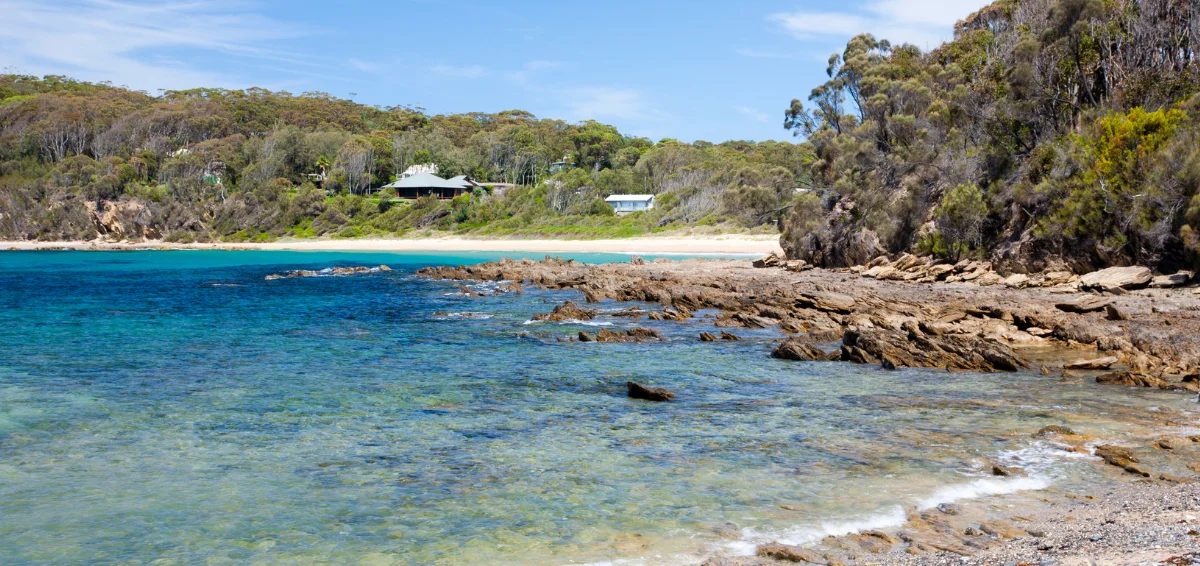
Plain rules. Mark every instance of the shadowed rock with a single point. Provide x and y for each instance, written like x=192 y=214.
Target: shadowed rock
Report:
x=567 y=311
x=1082 y=305
x=658 y=394
x=798 y=350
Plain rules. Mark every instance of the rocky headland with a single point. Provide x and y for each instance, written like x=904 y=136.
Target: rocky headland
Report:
x=1120 y=327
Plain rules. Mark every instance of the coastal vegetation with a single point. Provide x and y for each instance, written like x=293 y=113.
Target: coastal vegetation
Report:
x=81 y=160
x=1047 y=134
x=1046 y=131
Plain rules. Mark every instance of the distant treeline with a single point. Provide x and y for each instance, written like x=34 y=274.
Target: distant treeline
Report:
x=1046 y=130
x=79 y=160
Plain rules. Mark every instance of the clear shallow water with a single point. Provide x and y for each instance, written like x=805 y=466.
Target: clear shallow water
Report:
x=175 y=406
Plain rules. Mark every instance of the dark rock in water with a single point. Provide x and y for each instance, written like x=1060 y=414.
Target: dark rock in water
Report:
x=798 y=350
x=729 y=337
x=1121 y=457
x=912 y=348
x=328 y=272
x=1135 y=379
x=707 y=337
x=949 y=508
x=1090 y=303
x=567 y=311
x=789 y=553
x=641 y=333
x=1006 y=471
x=753 y=320
x=585 y=337
x=1054 y=429
x=659 y=394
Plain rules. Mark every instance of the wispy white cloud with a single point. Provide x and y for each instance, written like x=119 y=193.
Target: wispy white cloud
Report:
x=528 y=70
x=364 y=66
x=924 y=23
x=758 y=54
x=754 y=114
x=120 y=41
x=468 y=72
x=599 y=103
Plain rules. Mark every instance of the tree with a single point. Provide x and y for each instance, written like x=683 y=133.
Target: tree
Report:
x=354 y=160
x=960 y=217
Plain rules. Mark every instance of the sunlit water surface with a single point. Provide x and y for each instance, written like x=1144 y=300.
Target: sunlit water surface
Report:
x=177 y=407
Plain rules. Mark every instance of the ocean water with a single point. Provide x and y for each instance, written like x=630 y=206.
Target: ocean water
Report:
x=178 y=408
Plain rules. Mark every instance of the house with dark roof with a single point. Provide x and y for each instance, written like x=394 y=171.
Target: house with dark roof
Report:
x=425 y=184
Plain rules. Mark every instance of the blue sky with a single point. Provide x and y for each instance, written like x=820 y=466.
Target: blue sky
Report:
x=692 y=70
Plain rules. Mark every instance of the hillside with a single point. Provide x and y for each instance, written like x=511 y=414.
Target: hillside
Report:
x=80 y=161
x=1048 y=132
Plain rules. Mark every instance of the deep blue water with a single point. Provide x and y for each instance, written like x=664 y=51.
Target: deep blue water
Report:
x=178 y=406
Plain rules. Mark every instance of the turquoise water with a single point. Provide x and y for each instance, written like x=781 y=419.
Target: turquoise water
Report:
x=177 y=408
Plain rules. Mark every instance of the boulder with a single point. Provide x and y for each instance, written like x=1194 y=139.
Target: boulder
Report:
x=1133 y=277
x=769 y=261
x=657 y=394
x=643 y=334
x=1115 y=313
x=1085 y=304
x=729 y=337
x=798 y=350
x=707 y=337
x=1121 y=457
x=1168 y=281
x=789 y=553
x=1017 y=281
x=911 y=347
x=826 y=302
x=567 y=311
x=1097 y=363
x=1054 y=429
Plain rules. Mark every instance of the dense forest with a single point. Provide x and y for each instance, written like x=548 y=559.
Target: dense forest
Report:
x=80 y=161
x=1046 y=131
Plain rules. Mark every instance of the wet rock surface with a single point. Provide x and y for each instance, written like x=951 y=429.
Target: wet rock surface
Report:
x=945 y=317
x=657 y=394
x=916 y=315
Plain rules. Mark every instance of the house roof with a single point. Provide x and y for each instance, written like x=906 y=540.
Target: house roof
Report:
x=629 y=198
x=429 y=181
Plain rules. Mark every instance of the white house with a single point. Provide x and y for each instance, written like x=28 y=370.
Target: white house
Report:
x=430 y=168
x=624 y=204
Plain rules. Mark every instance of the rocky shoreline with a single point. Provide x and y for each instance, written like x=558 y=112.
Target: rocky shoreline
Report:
x=1120 y=327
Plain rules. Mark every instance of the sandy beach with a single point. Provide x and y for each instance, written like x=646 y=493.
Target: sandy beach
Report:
x=731 y=244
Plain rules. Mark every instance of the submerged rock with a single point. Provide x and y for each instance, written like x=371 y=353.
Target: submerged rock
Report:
x=1098 y=363
x=328 y=272
x=1121 y=457
x=658 y=394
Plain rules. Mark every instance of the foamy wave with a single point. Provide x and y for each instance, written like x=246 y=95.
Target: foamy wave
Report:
x=570 y=321
x=981 y=488
x=803 y=534
x=471 y=315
